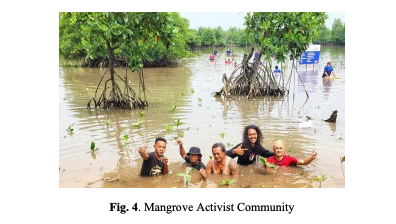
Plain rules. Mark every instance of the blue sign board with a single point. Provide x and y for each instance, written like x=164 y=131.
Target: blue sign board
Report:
x=311 y=56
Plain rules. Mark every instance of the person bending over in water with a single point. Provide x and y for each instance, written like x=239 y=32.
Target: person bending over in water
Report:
x=280 y=159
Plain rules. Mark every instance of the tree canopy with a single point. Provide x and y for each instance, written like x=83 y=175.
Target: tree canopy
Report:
x=282 y=34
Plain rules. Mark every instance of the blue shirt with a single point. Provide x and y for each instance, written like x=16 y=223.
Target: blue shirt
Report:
x=277 y=70
x=215 y=52
x=328 y=70
x=256 y=55
x=228 y=52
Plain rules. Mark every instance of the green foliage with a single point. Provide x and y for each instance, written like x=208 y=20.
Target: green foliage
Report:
x=93 y=146
x=227 y=182
x=283 y=34
x=141 y=114
x=168 y=127
x=210 y=157
x=173 y=107
x=338 y=32
x=70 y=129
x=138 y=123
x=108 y=123
x=320 y=179
x=102 y=33
x=178 y=122
x=126 y=137
x=208 y=37
x=186 y=174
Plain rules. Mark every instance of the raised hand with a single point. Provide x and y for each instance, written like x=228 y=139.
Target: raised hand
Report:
x=239 y=150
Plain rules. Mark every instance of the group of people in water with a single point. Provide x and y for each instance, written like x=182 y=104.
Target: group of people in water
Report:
x=247 y=152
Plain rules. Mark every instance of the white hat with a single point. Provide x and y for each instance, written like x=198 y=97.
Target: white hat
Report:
x=329 y=61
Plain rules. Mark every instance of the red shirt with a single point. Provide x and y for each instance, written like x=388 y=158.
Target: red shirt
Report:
x=286 y=161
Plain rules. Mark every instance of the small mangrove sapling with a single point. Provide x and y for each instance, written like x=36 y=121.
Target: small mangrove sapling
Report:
x=320 y=179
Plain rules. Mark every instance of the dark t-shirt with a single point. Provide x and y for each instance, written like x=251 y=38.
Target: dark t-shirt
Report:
x=197 y=166
x=250 y=155
x=152 y=166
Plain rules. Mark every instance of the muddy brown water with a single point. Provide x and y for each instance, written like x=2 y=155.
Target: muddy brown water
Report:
x=205 y=118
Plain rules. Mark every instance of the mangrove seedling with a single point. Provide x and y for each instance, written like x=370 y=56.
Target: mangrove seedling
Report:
x=126 y=140
x=168 y=127
x=199 y=99
x=192 y=90
x=270 y=165
x=181 y=94
x=108 y=123
x=210 y=157
x=138 y=123
x=93 y=146
x=315 y=131
x=229 y=144
x=222 y=135
x=227 y=182
x=142 y=114
x=173 y=107
x=186 y=175
x=70 y=129
x=320 y=179
x=178 y=122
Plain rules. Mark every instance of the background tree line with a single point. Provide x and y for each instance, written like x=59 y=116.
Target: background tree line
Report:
x=155 y=53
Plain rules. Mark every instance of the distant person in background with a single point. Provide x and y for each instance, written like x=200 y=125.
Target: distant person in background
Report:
x=277 y=69
x=328 y=70
x=256 y=55
x=215 y=52
x=154 y=163
x=228 y=52
x=235 y=65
